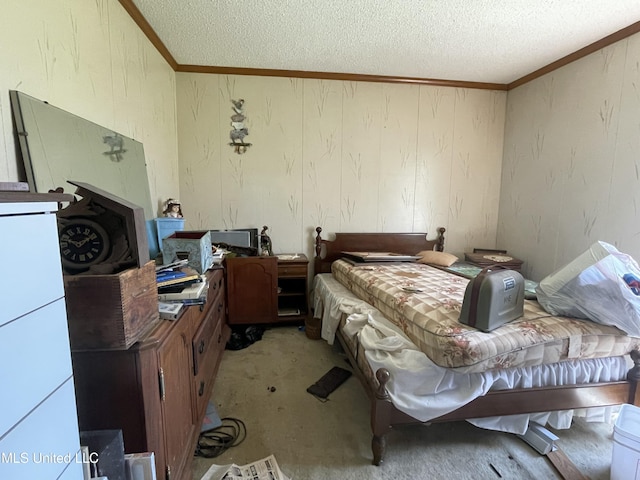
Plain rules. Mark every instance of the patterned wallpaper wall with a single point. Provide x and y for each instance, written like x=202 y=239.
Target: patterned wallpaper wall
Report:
x=88 y=57
x=571 y=173
x=346 y=156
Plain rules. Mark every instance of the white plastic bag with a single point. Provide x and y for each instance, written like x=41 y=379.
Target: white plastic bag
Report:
x=599 y=285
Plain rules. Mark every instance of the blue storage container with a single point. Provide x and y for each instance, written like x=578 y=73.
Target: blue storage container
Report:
x=167 y=226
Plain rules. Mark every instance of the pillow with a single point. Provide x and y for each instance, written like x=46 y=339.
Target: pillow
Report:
x=442 y=259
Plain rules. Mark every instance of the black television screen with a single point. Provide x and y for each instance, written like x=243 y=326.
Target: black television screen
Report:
x=239 y=237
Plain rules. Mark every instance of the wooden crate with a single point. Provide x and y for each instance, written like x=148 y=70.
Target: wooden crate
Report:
x=111 y=311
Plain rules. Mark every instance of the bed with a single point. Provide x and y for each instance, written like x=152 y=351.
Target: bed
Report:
x=506 y=382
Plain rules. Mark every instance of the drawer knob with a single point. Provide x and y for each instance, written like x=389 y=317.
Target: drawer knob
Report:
x=201 y=389
x=201 y=347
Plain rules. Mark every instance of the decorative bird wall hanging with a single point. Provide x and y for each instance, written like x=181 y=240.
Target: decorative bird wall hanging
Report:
x=239 y=131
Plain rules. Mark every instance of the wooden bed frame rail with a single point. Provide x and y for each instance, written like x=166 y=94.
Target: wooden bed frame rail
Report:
x=385 y=416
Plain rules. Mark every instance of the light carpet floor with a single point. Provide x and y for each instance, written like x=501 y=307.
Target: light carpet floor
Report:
x=314 y=440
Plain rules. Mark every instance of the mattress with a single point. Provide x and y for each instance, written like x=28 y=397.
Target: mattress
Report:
x=426 y=391
x=424 y=303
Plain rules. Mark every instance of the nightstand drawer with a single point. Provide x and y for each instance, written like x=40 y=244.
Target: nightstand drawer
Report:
x=292 y=270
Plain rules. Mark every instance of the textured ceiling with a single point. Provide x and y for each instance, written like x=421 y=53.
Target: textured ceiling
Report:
x=494 y=41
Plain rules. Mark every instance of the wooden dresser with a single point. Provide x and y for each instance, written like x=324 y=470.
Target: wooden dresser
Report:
x=157 y=391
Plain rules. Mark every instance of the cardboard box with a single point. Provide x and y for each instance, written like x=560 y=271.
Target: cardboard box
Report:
x=111 y=311
x=194 y=246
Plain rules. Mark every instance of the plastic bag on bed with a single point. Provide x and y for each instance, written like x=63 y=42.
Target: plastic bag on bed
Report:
x=602 y=285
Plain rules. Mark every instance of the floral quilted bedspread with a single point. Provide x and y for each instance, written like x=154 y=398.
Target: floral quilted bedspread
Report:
x=425 y=302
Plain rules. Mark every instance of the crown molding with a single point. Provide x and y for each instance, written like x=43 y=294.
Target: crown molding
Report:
x=142 y=23
x=583 y=52
x=353 y=77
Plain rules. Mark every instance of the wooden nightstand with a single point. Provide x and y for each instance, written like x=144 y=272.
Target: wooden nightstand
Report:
x=252 y=289
x=293 y=292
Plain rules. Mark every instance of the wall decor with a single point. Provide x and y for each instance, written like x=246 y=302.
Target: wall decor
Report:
x=239 y=130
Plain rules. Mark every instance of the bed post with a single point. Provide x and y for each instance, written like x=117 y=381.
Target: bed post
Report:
x=380 y=416
x=440 y=240
x=633 y=376
x=317 y=260
x=318 y=241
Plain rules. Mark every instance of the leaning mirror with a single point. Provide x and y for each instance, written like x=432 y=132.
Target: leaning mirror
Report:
x=58 y=146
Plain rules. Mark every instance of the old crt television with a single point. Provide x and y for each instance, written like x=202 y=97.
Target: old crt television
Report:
x=239 y=237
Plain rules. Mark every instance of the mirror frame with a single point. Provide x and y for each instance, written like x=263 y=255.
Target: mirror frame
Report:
x=128 y=180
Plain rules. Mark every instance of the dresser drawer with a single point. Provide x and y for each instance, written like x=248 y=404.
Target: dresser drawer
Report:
x=36 y=251
x=216 y=283
x=203 y=380
x=31 y=449
x=205 y=337
x=292 y=270
x=34 y=361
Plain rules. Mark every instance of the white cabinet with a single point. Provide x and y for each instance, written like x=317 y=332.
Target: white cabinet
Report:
x=38 y=421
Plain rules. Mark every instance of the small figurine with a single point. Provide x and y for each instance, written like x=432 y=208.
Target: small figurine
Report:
x=237 y=105
x=266 y=249
x=172 y=208
x=237 y=136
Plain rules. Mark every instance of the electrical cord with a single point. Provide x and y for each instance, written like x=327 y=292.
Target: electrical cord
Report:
x=214 y=442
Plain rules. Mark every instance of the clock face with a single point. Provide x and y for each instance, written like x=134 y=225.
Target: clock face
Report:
x=83 y=243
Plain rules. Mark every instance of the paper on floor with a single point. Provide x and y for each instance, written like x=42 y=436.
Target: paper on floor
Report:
x=265 y=469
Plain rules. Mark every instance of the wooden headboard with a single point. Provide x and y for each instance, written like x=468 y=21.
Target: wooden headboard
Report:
x=327 y=251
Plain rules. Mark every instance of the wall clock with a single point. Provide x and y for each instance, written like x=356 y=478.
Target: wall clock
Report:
x=83 y=243
x=118 y=223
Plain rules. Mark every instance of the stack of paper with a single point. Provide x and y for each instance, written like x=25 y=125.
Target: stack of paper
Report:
x=265 y=469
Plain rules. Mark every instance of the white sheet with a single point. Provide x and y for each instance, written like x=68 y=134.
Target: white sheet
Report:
x=425 y=391
x=330 y=300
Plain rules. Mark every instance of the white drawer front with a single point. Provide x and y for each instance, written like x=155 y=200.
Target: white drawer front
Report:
x=34 y=360
x=30 y=256
x=44 y=443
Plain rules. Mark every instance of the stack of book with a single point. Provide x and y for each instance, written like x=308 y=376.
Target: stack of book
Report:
x=178 y=287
